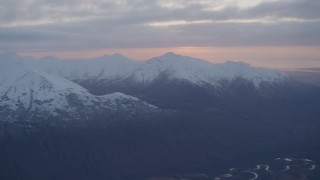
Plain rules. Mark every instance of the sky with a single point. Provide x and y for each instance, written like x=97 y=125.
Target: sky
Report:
x=269 y=33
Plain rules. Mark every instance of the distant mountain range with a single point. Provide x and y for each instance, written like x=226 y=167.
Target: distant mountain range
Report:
x=115 y=118
x=194 y=70
x=58 y=87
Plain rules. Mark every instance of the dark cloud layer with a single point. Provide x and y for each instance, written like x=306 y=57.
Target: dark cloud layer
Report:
x=84 y=24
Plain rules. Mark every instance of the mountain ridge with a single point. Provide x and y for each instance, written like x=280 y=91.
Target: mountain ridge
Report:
x=154 y=81
x=187 y=68
x=27 y=89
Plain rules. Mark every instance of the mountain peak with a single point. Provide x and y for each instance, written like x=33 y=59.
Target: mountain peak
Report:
x=170 y=54
x=117 y=55
x=168 y=57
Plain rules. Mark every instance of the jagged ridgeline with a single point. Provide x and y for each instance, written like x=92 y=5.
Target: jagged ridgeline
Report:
x=115 y=118
x=75 y=88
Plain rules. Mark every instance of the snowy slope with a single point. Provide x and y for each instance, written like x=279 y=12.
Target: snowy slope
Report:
x=24 y=87
x=175 y=66
x=199 y=71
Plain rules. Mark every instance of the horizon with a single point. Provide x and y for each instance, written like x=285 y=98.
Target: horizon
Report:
x=136 y=56
x=307 y=75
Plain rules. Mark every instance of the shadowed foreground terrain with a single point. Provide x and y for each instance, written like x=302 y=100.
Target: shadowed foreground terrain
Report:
x=208 y=140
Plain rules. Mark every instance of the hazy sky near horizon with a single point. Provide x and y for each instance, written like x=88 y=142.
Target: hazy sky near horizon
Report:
x=272 y=33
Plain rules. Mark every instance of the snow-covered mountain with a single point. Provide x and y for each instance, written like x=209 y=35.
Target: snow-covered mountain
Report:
x=198 y=71
x=53 y=86
x=193 y=70
x=26 y=90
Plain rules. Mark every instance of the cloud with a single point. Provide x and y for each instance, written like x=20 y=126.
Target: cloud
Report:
x=89 y=24
x=302 y=9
